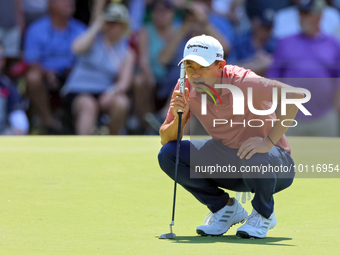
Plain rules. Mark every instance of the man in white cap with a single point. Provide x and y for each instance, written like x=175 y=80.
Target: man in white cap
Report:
x=239 y=142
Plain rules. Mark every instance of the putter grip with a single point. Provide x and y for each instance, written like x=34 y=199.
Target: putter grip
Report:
x=182 y=80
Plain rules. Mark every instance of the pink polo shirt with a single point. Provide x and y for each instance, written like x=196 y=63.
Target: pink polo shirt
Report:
x=238 y=128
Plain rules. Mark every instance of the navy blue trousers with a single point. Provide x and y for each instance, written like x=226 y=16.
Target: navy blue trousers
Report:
x=208 y=189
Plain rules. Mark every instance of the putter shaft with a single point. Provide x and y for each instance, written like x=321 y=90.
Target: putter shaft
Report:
x=176 y=169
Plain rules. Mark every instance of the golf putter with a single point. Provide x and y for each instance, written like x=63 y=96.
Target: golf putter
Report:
x=181 y=87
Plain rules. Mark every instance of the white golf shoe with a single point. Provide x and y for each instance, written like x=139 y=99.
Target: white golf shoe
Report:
x=218 y=223
x=256 y=226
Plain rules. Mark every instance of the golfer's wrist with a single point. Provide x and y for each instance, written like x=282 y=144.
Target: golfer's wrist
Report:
x=269 y=141
x=184 y=115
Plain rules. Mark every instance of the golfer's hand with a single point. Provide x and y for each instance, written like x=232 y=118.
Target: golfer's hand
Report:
x=179 y=102
x=254 y=145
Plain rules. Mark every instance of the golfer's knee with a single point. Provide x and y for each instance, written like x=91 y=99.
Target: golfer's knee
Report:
x=283 y=183
x=166 y=156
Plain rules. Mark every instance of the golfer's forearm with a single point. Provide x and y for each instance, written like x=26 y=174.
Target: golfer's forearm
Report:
x=125 y=76
x=168 y=132
x=279 y=130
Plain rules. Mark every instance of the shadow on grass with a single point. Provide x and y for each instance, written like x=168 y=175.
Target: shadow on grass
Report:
x=231 y=239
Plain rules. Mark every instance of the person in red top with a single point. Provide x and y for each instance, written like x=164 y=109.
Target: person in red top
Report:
x=247 y=152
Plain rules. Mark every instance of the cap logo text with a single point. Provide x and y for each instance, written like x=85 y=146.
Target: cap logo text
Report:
x=196 y=45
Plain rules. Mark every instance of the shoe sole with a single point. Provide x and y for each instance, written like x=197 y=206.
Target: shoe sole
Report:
x=202 y=233
x=245 y=235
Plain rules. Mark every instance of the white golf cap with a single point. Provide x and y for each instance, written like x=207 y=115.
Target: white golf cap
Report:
x=203 y=49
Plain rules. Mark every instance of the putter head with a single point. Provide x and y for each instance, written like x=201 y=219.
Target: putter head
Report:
x=167 y=236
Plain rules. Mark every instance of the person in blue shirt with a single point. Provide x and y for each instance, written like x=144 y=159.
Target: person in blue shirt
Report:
x=48 y=53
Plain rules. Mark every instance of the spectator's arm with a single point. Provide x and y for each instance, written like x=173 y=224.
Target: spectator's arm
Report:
x=137 y=9
x=233 y=15
x=126 y=71
x=201 y=14
x=143 y=49
x=19 y=14
x=169 y=50
x=210 y=30
x=98 y=8
x=274 y=70
x=85 y=41
x=258 y=64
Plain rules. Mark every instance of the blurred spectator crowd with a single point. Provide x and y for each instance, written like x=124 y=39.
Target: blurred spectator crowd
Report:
x=109 y=67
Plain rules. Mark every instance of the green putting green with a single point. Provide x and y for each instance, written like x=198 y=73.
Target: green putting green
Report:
x=107 y=195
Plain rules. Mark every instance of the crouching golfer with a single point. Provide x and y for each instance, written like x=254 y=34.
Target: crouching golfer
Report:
x=243 y=141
